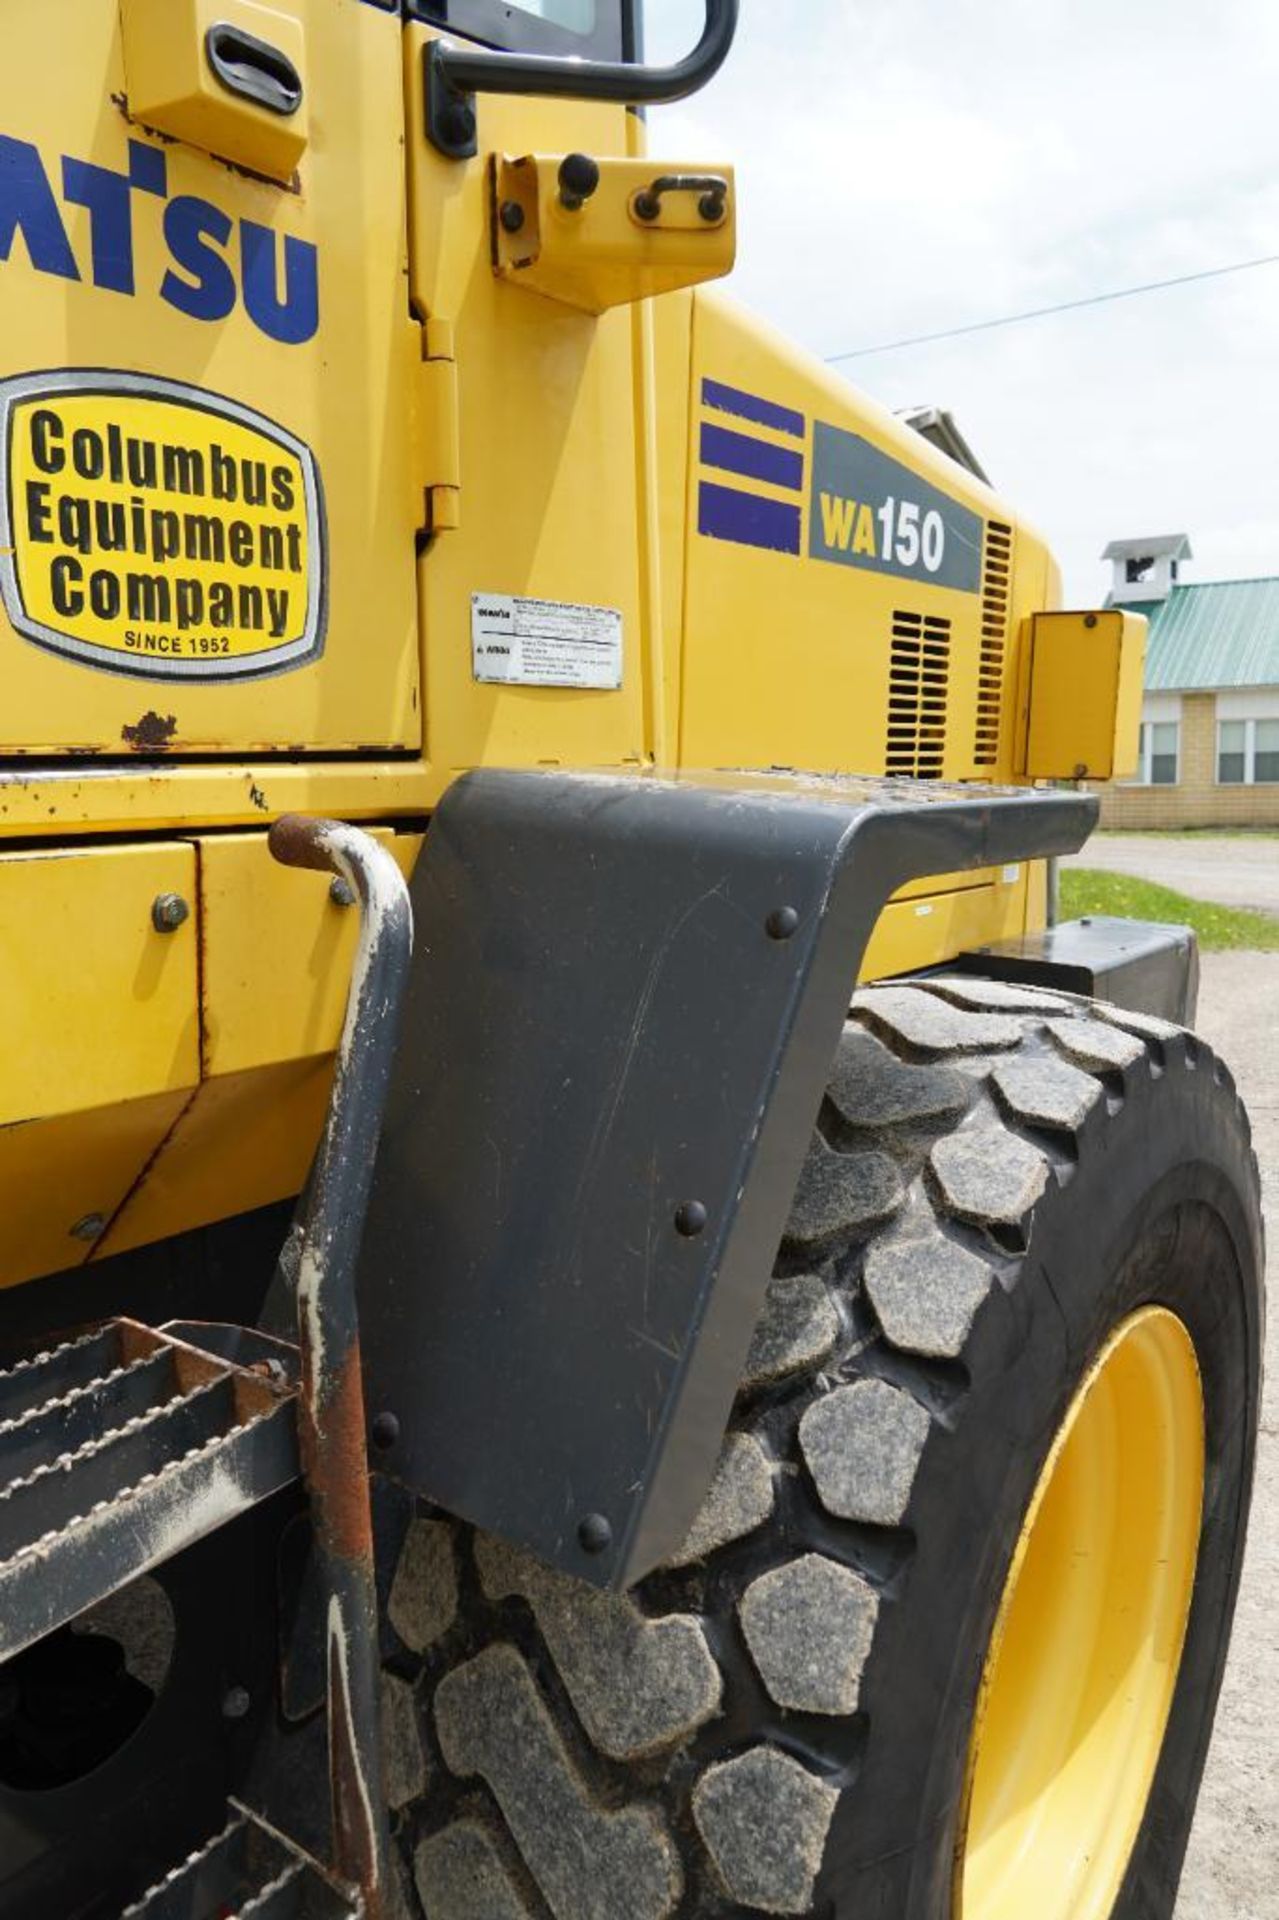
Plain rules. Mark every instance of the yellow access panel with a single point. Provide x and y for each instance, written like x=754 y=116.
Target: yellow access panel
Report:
x=209 y=488
x=102 y=1049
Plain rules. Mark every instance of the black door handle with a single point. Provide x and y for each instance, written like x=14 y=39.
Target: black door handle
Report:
x=248 y=66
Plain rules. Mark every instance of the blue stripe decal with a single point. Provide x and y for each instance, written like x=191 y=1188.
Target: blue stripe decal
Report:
x=755 y=459
x=725 y=514
x=750 y=406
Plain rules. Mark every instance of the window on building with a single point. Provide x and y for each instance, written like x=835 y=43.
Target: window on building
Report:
x=1248 y=752
x=1159 y=750
x=1265 y=757
x=1232 y=752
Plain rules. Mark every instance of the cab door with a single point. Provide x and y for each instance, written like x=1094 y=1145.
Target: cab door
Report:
x=209 y=379
x=548 y=509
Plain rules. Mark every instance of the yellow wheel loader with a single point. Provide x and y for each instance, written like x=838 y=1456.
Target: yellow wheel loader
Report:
x=604 y=1317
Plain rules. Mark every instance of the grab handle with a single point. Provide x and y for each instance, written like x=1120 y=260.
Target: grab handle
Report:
x=253 y=68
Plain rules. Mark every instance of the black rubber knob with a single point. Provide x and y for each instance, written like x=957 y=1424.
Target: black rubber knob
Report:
x=579 y=176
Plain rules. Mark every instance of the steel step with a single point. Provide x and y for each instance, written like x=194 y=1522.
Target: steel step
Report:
x=246 y=1872
x=116 y=1451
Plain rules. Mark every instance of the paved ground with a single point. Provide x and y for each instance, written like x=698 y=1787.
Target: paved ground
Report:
x=1233 y=872
x=1232 y=1872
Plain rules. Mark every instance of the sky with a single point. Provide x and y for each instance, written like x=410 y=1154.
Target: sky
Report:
x=906 y=166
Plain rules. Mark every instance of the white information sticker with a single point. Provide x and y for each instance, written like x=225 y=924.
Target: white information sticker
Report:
x=544 y=643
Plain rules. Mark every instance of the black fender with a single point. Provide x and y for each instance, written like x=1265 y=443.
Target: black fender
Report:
x=625 y=997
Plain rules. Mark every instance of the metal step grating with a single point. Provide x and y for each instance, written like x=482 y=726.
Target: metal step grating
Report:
x=116 y=1451
x=247 y=1872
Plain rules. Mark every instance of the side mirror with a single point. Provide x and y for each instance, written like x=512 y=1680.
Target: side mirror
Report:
x=455 y=74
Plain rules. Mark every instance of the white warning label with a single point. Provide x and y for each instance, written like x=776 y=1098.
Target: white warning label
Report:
x=544 y=643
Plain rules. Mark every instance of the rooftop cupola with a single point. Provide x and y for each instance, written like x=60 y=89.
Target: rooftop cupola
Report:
x=1145 y=569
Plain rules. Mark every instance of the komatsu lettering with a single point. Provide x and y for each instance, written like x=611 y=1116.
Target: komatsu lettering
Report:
x=214 y=262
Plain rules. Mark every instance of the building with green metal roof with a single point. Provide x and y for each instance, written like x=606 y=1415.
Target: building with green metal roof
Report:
x=1210 y=716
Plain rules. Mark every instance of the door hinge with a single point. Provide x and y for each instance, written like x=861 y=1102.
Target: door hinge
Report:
x=441 y=460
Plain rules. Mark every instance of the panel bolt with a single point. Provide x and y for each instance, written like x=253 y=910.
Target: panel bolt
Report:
x=168 y=911
x=235 y=1703
x=341 y=892
x=690 y=1218
x=511 y=214
x=594 y=1534
x=89 y=1227
x=781 y=923
x=1090 y=619
x=384 y=1430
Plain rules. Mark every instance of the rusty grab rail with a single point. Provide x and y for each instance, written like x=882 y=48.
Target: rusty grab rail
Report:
x=331 y=1411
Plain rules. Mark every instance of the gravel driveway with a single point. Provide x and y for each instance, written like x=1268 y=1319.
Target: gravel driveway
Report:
x=1232 y=872
x=1232 y=1870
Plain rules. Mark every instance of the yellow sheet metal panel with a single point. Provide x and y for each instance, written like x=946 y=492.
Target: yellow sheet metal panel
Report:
x=549 y=500
x=1084 y=695
x=277 y=954
x=212 y=481
x=71 y=1172
x=245 y=1140
x=923 y=932
x=171 y=83
x=52 y=802
x=851 y=593
x=99 y=1006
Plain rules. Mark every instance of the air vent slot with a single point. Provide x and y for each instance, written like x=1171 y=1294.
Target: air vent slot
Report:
x=996 y=582
x=918 y=680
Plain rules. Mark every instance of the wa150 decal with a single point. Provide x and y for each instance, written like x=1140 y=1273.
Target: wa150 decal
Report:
x=868 y=510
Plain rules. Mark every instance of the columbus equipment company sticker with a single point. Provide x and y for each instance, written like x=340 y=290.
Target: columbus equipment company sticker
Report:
x=149 y=527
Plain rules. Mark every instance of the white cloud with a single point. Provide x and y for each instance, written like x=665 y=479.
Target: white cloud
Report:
x=910 y=165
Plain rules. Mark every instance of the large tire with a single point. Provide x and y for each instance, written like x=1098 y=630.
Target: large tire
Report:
x=780 y=1722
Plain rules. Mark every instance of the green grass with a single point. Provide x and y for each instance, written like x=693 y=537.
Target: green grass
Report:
x=1084 y=890
x=1188 y=833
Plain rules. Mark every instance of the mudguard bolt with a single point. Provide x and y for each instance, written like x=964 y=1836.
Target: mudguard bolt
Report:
x=89 y=1227
x=690 y=1218
x=168 y=911
x=781 y=923
x=594 y=1534
x=384 y=1430
x=511 y=215
x=341 y=892
x=235 y=1703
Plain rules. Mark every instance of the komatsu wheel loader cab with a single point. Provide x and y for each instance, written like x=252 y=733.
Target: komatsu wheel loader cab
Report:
x=601 y=1316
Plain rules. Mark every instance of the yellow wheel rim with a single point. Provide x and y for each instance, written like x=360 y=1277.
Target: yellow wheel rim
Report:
x=1083 y=1661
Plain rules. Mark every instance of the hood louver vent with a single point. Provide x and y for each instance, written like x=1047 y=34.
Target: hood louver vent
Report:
x=996 y=583
x=917 y=686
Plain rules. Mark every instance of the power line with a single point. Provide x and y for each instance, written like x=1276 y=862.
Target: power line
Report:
x=1062 y=306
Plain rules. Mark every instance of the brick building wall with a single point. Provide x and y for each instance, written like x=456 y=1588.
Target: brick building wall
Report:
x=1196 y=800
